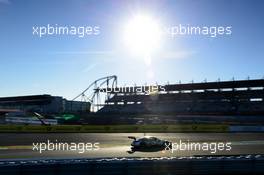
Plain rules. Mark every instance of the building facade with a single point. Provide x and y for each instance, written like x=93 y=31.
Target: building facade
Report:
x=45 y=104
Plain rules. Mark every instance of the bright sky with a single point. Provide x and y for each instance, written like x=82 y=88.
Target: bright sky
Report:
x=66 y=65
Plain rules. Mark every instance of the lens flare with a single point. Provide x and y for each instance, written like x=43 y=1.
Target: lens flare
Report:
x=142 y=34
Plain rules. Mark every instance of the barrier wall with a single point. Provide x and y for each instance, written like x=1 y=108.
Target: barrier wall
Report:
x=129 y=128
x=246 y=128
x=136 y=166
x=115 y=128
x=21 y=120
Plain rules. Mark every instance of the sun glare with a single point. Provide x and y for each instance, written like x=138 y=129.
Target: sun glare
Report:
x=142 y=34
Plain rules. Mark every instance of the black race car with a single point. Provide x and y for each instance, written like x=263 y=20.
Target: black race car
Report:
x=148 y=144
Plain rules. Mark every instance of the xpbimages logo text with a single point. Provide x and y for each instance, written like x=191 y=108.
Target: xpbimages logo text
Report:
x=80 y=147
x=151 y=89
x=170 y=31
x=199 y=30
x=68 y=30
x=212 y=147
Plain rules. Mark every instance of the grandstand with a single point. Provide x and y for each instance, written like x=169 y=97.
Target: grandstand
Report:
x=243 y=97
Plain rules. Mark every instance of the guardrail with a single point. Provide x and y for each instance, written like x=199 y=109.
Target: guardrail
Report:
x=182 y=165
x=246 y=128
x=114 y=128
x=128 y=128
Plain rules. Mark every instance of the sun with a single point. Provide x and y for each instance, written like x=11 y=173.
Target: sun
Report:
x=142 y=34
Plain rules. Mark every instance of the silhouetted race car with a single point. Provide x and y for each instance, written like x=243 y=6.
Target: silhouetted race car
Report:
x=148 y=144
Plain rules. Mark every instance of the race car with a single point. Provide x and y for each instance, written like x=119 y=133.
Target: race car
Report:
x=148 y=144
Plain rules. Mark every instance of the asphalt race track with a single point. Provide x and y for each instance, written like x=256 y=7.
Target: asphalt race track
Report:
x=20 y=146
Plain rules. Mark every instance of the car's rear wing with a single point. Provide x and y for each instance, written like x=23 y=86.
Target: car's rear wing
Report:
x=132 y=137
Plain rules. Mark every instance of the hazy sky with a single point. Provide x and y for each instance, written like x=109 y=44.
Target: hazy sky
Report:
x=65 y=65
